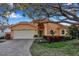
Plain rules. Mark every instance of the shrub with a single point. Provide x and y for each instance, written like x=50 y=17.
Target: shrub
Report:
x=65 y=38
x=35 y=35
x=52 y=38
x=73 y=32
x=8 y=36
x=2 y=37
x=56 y=38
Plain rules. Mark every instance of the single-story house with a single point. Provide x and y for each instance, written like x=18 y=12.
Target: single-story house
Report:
x=27 y=30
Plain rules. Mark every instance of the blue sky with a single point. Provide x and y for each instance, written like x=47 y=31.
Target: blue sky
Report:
x=20 y=19
x=17 y=17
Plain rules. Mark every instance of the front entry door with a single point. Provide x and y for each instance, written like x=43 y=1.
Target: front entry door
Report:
x=40 y=29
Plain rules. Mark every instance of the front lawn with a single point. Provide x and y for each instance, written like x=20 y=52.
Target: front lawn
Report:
x=68 y=48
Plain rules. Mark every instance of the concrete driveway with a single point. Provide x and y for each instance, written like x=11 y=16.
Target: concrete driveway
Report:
x=16 y=47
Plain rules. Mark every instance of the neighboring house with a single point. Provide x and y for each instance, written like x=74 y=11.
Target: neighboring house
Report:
x=2 y=34
x=24 y=30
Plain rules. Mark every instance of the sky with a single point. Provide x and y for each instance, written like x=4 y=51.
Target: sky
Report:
x=15 y=18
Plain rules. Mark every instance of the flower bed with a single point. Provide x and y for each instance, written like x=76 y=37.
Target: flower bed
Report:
x=56 y=38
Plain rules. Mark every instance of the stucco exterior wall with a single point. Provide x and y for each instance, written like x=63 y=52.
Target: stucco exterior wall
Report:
x=23 y=26
x=57 y=28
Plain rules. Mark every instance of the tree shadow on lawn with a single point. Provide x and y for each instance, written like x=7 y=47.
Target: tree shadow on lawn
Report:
x=66 y=48
x=76 y=45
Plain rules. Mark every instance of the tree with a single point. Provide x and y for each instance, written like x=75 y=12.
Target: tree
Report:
x=73 y=32
x=45 y=10
x=5 y=11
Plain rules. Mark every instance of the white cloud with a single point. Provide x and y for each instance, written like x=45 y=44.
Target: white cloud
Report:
x=11 y=5
x=69 y=3
x=67 y=24
x=14 y=15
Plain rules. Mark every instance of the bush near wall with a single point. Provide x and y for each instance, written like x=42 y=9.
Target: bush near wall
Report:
x=8 y=36
x=56 y=38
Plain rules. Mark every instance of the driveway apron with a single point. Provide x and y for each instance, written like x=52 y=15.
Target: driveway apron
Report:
x=20 y=47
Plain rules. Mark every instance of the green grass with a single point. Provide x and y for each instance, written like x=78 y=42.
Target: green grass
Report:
x=68 y=48
x=53 y=45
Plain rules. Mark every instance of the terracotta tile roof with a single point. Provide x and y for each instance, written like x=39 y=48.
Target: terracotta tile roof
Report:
x=36 y=21
x=47 y=21
x=44 y=21
x=41 y=20
x=22 y=23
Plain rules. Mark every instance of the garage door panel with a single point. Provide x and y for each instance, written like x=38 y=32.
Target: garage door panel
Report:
x=25 y=34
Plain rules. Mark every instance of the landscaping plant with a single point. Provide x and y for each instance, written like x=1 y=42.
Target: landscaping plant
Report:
x=73 y=32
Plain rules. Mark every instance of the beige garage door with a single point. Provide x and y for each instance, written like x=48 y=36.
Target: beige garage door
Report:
x=24 y=34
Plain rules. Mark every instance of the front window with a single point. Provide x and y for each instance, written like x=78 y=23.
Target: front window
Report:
x=63 y=32
x=52 y=32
